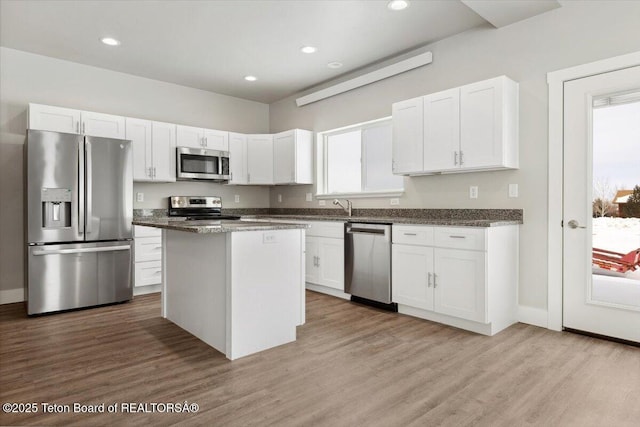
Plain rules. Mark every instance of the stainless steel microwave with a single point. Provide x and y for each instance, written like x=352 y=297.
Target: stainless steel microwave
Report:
x=198 y=163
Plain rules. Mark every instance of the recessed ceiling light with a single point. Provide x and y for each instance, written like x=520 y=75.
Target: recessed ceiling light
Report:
x=334 y=64
x=398 y=4
x=250 y=78
x=308 y=49
x=110 y=41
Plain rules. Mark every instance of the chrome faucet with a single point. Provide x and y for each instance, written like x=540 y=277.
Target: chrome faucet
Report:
x=346 y=209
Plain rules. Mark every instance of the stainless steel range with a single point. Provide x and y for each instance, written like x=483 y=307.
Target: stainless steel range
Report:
x=197 y=207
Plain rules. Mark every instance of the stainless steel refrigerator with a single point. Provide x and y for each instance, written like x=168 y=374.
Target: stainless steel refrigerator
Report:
x=79 y=207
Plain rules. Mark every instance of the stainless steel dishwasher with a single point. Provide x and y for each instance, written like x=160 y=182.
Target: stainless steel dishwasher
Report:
x=367 y=253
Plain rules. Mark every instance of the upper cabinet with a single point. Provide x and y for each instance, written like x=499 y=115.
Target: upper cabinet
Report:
x=238 y=158
x=470 y=128
x=407 y=136
x=293 y=157
x=260 y=159
x=193 y=137
x=154 y=150
x=58 y=119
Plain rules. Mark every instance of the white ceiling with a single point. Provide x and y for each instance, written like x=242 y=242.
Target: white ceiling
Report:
x=212 y=45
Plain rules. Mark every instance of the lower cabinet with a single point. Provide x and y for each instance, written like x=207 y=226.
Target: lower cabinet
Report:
x=325 y=261
x=465 y=277
x=148 y=259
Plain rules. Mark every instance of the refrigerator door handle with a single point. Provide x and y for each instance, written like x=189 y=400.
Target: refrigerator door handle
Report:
x=82 y=250
x=88 y=190
x=81 y=186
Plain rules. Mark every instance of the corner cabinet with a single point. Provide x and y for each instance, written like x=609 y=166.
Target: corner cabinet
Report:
x=469 y=128
x=259 y=159
x=238 y=158
x=462 y=276
x=293 y=157
x=154 y=150
x=67 y=120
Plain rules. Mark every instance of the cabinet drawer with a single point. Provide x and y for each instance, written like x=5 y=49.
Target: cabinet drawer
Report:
x=148 y=273
x=413 y=235
x=326 y=229
x=142 y=231
x=148 y=248
x=461 y=238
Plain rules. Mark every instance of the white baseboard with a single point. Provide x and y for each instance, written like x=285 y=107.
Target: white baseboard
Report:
x=9 y=296
x=327 y=290
x=143 y=290
x=533 y=316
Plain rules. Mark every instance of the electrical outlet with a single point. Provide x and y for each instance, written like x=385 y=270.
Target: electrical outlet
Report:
x=395 y=201
x=473 y=192
x=309 y=197
x=279 y=198
x=237 y=198
x=513 y=190
x=322 y=202
x=139 y=197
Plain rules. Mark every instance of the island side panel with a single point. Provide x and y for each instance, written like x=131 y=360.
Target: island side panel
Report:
x=263 y=290
x=195 y=284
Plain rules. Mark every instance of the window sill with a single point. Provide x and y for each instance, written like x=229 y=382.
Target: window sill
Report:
x=372 y=194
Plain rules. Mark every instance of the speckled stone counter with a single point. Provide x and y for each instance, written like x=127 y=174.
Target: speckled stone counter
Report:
x=214 y=226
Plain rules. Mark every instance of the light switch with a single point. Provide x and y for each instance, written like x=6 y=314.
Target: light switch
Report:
x=473 y=192
x=237 y=198
x=139 y=197
x=309 y=198
x=513 y=190
x=395 y=202
x=279 y=198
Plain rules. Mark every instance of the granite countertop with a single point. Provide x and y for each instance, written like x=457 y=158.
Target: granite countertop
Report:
x=214 y=226
x=452 y=222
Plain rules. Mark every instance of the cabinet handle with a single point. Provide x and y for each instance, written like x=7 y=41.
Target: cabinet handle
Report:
x=458 y=237
x=428 y=280
x=149 y=174
x=154 y=171
x=248 y=178
x=455 y=158
x=410 y=234
x=206 y=141
x=318 y=258
x=461 y=158
x=83 y=128
x=434 y=281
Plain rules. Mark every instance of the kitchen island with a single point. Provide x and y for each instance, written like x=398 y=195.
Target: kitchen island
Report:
x=236 y=285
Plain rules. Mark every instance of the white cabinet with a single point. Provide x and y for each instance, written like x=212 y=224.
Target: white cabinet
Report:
x=293 y=157
x=469 y=128
x=466 y=277
x=58 y=119
x=194 y=137
x=153 y=150
x=324 y=266
x=238 y=158
x=407 y=143
x=260 y=159
x=148 y=258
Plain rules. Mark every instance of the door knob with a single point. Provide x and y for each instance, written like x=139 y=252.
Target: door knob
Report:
x=575 y=224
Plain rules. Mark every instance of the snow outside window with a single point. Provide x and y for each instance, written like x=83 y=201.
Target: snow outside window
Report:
x=357 y=161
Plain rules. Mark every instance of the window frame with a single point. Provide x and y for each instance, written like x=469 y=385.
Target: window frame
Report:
x=322 y=167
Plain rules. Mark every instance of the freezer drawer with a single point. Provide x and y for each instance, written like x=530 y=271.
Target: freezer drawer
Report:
x=67 y=276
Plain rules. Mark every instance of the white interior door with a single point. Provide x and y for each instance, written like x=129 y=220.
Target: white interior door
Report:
x=595 y=299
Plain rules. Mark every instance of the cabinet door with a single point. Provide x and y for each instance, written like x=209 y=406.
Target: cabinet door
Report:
x=260 y=159
x=407 y=136
x=331 y=262
x=481 y=139
x=148 y=273
x=54 y=119
x=412 y=276
x=238 y=158
x=139 y=132
x=164 y=151
x=188 y=136
x=460 y=284
x=311 y=263
x=216 y=140
x=442 y=130
x=103 y=125
x=284 y=151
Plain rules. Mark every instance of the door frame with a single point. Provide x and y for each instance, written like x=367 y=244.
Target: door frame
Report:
x=556 y=80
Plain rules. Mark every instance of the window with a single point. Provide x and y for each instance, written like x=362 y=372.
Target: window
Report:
x=356 y=160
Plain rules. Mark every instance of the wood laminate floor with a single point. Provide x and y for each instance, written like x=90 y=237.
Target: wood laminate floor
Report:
x=351 y=366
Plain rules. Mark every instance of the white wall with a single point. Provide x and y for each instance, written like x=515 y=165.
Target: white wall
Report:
x=579 y=32
x=26 y=77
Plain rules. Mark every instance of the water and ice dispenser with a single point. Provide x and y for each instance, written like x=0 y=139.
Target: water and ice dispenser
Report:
x=56 y=207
